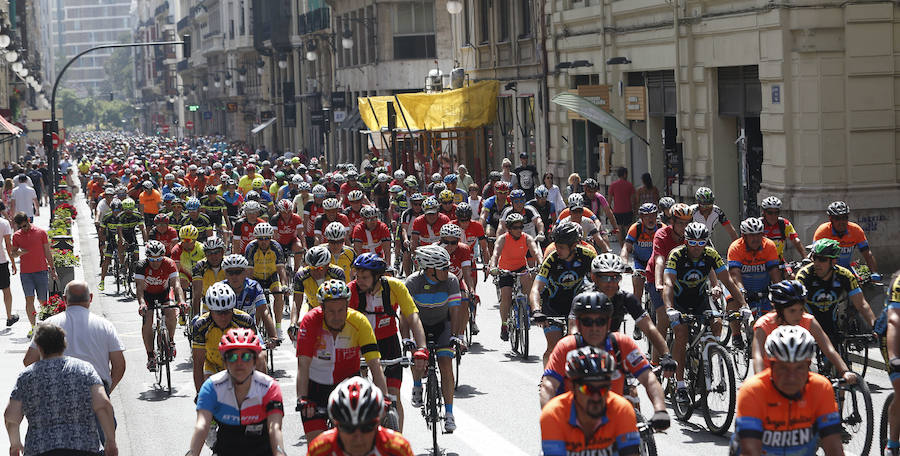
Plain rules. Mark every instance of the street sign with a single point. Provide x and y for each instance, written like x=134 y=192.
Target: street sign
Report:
x=189 y=125
x=339 y=116
x=193 y=108
x=207 y=115
x=165 y=128
x=55 y=140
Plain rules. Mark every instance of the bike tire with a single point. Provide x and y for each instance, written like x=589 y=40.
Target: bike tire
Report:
x=885 y=425
x=860 y=429
x=683 y=411
x=433 y=403
x=648 y=441
x=118 y=273
x=160 y=355
x=167 y=359
x=512 y=330
x=391 y=419
x=741 y=360
x=865 y=361
x=729 y=387
x=457 y=358
x=524 y=327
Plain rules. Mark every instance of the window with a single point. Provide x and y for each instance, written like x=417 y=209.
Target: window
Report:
x=484 y=17
x=525 y=16
x=503 y=20
x=414 y=30
x=467 y=35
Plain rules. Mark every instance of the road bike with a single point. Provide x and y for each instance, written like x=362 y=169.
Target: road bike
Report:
x=391 y=418
x=519 y=320
x=164 y=351
x=433 y=406
x=857 y=418
x=648 y=440
x=470 y=325
x=264 y=333
x=130 y=257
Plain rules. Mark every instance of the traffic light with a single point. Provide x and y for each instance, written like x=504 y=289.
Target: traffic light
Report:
x=186 y=50
x=110 y=96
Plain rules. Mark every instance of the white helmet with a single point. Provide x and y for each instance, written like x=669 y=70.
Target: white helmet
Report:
x=319 y=190
x=355 y=195
x=252 y=206
x=263 y=230
x=235 y=261
x=790 y=344
x=335 y=231
x=576 y=201
x=432 y=256
x=451 y=230
x=436 y=177
x=771 y=202
x=155 y=249
x=317 y=256
x=331 y=203
x=608 y=262
x=368 y=211
x=399 y=175
x=220 y=297
x=752 y=225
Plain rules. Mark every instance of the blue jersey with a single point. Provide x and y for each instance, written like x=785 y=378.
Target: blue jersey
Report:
x=251 y=297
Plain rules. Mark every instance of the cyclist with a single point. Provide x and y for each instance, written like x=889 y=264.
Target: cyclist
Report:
x=596 y=202
x=208 y=328
x=127 y=221
x=383 y=299
x=559 y=275
x=426 y=228
x=242 y=231
x=593 y=313
x=177 y=214
x=246 y=404
x=848 y=235
x=197 y=219
x=512 y=254
x=406 y=218
x=687 y=290
x=753 y=265
x=665 y=239
x=590 y=419
x=831 y=289
x=155 y=278
x=356 y=407
x=665 y=210
x=331 y=214
x=108 y=235
x=589 y=228
x=206 y=272
x=787 y=409
x=493 y=207
x=707 y=213
x=891 y=348
x=187 y=253
x=447 y=204
x=461 y=265
x=352 y=205
x=267 y=262
x=149 y=199
x=472 y=232
x=639 y=242
x=162 y=232
x=332 y=337
x=318 y=269
x=216 y=209
x=250 y=298
x=341 y=255
x=371 y=235
x=788 y=297
x=233 y=200
x=289 y=229
x=436 y=294
x=311 y=211
x=779 y=229
x=534 y=225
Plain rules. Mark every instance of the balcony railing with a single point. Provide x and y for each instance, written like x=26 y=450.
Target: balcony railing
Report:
x=313 y=21
x=182 y=65
x=184 y=23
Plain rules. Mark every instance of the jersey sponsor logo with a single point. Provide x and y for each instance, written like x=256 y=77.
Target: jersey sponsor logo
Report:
x=822 y=300
x=645 y=244
x=635 y=357
x=608 y=451
x=693 y=278
x=794 y=437
x=751 y=268
x=155 y=281
x=569 y=279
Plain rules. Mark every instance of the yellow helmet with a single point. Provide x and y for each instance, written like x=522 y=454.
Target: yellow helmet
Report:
x=189 y=232
x=257 y=183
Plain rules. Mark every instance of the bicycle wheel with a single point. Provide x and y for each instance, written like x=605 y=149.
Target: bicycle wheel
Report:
x=885 y=426
x=524 y=326
x=391 y=419
x=857 y=417
x=684 y=411
x=160 y=354
x=118 y=269
x=648 y=441
x=433 y=406
x=741 y=359
x=719 y=388
x=457 y=358
x=167 y=357
x=512 y=330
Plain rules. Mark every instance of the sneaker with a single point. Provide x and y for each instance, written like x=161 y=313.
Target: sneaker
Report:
x=31 y=332
x=682 y=397
x=151 y=364
x=417 y=397
x=12 y=320
x=101 y=286
x=504 y=333
x=449 y=423
x=475 y=329
x=637 y=334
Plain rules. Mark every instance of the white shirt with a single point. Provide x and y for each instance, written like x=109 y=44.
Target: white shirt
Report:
x=5 y=230
x=89 y=337
x=102 y=209
x=23 y=196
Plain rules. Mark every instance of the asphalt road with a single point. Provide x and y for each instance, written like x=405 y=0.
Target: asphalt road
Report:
x=496 y=406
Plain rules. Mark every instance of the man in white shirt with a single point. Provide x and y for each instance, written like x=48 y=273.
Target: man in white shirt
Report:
x=6 y=246
x=24 y=199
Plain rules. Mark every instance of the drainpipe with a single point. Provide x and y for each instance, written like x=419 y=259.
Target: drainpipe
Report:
x=545 y=96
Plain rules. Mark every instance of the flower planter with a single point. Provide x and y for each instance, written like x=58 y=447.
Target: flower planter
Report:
x=65 y=274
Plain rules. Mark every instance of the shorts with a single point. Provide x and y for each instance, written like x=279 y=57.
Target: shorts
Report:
x=389 y=347
x=111 y=247
x=693 y=307
x=36 y=284
x=154 y=299
x=439 y=334
x=148 y=219
x=271 y=283
x=4 y=276
x=639 y=265
x=624 y=218
x=318 y=394
x=508 y=280
x=289 y=247
x=655 y=296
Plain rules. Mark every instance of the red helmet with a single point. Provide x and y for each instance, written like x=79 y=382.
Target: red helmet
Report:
x=501 y=186
x=238 y=338
x=161 y=218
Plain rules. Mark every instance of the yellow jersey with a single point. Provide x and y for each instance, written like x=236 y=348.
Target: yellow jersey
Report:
x=206 y=335
x=203 y=272
x=264 y=263
x=307 y=286
x=344 y=260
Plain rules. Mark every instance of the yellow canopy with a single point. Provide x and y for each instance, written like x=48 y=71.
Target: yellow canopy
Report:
x=468 y=107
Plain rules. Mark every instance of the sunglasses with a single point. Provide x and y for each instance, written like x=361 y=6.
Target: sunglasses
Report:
x=772 y=212
x=609 y=279
x=840 y=217
x=154 y=260
x=318 y=268
x=222 y=312
x=234 y=272
x=233 y=357
x=589 y=322
x=445 y=268
x=449 y=242
x=516 y=227
x=694 y=243
x=821 y=259
x=364 y=428
x=263 y=239
x=590 y=389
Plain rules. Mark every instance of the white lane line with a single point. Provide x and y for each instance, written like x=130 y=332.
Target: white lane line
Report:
x=485 y=441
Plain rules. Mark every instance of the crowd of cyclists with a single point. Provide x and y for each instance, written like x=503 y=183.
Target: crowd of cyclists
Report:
x=371 y=265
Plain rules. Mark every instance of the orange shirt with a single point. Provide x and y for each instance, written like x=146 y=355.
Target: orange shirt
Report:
x=769 y=322
x=512 y=257
x=616 y=433
x=854 y=237
x=150 y=201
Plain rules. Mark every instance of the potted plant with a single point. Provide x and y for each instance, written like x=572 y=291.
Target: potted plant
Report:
x=65 y=262
x=55 y=304
x=62 y=196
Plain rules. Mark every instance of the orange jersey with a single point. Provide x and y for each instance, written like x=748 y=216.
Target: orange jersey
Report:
x=854 y=237
x=387 y=443
x=769 y=322
x=562 y=436
x=754 y=264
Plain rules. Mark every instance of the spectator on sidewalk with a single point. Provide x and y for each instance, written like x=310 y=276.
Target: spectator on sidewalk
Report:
x=31 y=244
x=623 y=202
x=5 y=263
x=527 y=175
x=25 y=199
x=647 y=193
x=465 y=180
x=62 y=398
x=37 y=181
x=7 y=198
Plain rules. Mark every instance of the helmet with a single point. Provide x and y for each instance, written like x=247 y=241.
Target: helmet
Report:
x=648 y=208
x=541 y=192
x=446 y=196
x=576 y=201
x=178 y=202
x=589 y=363
x=790 y=344
x=771 y=202
x=319 y=190
x=213 y=244
x=317 y=256
x=370 y=261
x=494 y=176
x=285 y=205
x=335 y=231
x=501 y=187
x=450 y=178
x=235 y=261
x=161 y=218
x=591 y=301
x=430 y=206
x=514 y=217
x=263 y=230
x=147 y=184
x=696 y=231
x=517 y=194
x=169 y=177
x=128 y=204
x=827 y=248
x=395 y=189
x=239 y=338
x=432 y=256
x=252 y=206
x=752 y=225
x=566 y=233
x=192 y=204
x=331 y=204
x=112 y=191
x=436 y=177
x=155 y=249
x=355 y=195
x=333 y=289
x=383 y=178
x=682 y=211
x=339 y=178
x=257 y=183
x=666 y=202
x=188 y=232
x=417 y=197
x=838 y=208
x=399 y=175
x=210 y=189
x=411 y=181
x=786 y=292
x=451 y=230
x=704 y=195
x=352 y=174
x=463 y=211
x=304 y=186
x=297 y=179
x=608 y=262
x=368 y=211
x=220 y=297
x=355 y=401
x=252 y=195
x=437 y=188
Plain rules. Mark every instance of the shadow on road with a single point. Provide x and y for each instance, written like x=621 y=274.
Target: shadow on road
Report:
x=443 y=452
x=467 y=391
x=699 y=434
x=477 y=347
x=279 y=373
x=159 y=394
x=510 y=356
x=184 y=366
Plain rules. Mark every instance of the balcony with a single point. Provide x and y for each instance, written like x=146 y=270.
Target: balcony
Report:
x=184 y=23
x=271 y=24
x=161 y=8
x=313 y=21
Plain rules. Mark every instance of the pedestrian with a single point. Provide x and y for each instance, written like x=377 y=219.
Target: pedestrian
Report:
x=31 y=244
x=554 y=195
x=526 y=174
x=623 y=202
x=60 y=396
x=465 y=179
x=506 y=175
x=7 y=198
x=37 y=181
x=25 y=199
x=574 y=184
x=475 y=200
x=647 y=193
x=6 y=246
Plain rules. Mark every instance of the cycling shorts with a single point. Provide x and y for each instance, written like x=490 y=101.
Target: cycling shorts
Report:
x=439 y=334
x=389 y=347
x=289 y=247
x=318 y=394
x=508 y=280
x=271 y=283
x=111 y=247
x=155 y=299
x=693 y=307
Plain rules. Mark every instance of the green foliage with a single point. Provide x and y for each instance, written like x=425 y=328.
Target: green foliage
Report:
x=119 y=72
x=94 y=111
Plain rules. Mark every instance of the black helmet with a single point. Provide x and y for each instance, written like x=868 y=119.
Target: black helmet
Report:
x=495 y=175
x=591 y=301
x=838 y=208
x=566 y=233
x=589 y=363
x=786 y=292
x=463 y=211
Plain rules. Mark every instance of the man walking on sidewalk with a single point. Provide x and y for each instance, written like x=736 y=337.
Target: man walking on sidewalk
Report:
x=31 y=244
x=25 y=199
x=5 y=263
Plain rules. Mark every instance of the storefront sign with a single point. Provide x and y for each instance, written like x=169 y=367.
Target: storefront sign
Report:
x=635 y=103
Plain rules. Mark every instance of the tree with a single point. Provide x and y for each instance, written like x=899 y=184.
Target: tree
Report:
x=119 y=68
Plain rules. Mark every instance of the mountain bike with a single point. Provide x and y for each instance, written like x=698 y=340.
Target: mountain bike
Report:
x=519 y=320
x=163 y=347
x=857 y=418
x=742 y=357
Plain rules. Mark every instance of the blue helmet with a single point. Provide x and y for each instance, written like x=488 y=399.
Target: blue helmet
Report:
x=517 y=194
x=370 y=261
x=450 y=178
x=541 y=192
x=192 y=204
x=169 y=197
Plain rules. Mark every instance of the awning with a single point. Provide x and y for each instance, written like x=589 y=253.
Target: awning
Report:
x=469 y=107
x=585 y=108
x=263 y=125
x=7 y=128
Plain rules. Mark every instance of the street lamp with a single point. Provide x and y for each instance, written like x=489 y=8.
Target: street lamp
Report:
x=311 y=54
x=454 y=7
x=11 y=56
x=217 y=81
x=260 y=66
x=228 y=79
x=282 y=61
x=347 y=39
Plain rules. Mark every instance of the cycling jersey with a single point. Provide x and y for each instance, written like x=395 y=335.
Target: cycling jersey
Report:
x=664 y=240
x=433 y=299
x=561 y=278
x=214 y=206
x=242 y=428
x=156 y=281
x=344 y=259
x=853 y=237
x=459 y=259
x=616 y=434
x=306 y=285
x=208 y=274
x=264 y=263
x=352 y=215
x=786 y=426
x=514 y=255
x=202 y=223
x=779 y=233
x=493 y=215
x=587 y=213
x=828 y=300
x=322 y=222
x=387 y=443
x=428 y=234
x=629 y=358
x=450 y=212
x=769 y=322
x=206 y=335
x=588 y=227
x=754 y=264
x=243 y=231
x=596 y=203
x=371 y=239
x=641 y=239
x=472 y=233
x=335 y=357
x=547 y=212
x=233 y=201
x=286 y=227
x=187 y=259
x=691 y=282
x=383 y=319
x=529 y=213
x=175 y=219
x=128 y=221
x=623 y=303
x=894 y=295
x=716 y=215
x=250 y=298
x=166 y=237
x=311 y=212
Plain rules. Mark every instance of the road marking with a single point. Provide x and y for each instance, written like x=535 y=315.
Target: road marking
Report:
x=488 y=442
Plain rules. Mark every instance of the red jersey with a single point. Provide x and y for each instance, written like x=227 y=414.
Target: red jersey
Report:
x=460 y=258
x=663 y=242
x=429 y=234
x=169 y=238
x=156 y=280
x=562 y=436
x=310 y=212
x=387 y=443
x=371 y=240
x=450 y=213
x=472 y=233
x=243 y=231
x=353 y=216
x=286 y=227
x=629 y=357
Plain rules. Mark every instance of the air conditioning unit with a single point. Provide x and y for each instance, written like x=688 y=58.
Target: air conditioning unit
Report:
x=434 y=81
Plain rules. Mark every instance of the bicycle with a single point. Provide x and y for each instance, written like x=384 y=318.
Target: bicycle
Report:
x=130 y=254
x=473 y=306
x=708 y=360
x=854 y=439
x=264 y=333
x=742 y=357
x=885 y=421
x=432 y=409
x=648 y=440
x=391 y=418
x=519 y=320
x=164 y=355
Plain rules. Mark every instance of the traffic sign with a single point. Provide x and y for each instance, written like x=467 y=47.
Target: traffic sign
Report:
x=189 y=125
x=55 y=140
x=165 y=128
